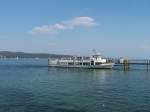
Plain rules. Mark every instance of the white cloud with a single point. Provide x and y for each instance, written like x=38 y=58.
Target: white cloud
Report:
x=69 y=24
x=80 y=22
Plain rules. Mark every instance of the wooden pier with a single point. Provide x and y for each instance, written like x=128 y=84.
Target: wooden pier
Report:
x=126 y=63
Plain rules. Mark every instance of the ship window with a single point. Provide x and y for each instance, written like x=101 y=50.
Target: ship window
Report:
x=77 y=63
x=86 y=63
x=98 y=63
x=63 y=63
x=70 y=63
x=92 y=62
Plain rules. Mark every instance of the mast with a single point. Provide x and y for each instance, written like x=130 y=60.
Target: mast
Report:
x=94 y=51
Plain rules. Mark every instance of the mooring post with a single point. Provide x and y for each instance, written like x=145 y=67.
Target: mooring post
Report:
x=147 y=64
x=126 y=64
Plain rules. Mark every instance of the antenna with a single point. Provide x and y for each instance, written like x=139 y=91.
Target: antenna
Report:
x=94 y=51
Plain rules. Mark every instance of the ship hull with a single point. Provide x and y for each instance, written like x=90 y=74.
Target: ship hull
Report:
x=102 y=66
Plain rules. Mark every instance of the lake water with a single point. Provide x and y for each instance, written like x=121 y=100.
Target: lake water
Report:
x=28 y=85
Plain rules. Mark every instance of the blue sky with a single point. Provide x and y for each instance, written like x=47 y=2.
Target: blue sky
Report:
x=112 y=27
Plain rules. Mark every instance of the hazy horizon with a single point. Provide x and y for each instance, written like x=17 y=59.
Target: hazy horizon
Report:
x=112 y=27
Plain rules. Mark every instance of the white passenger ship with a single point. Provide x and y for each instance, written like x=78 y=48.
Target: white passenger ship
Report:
x=94 y=61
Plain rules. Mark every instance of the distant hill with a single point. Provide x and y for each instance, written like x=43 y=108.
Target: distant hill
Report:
x=9 y=54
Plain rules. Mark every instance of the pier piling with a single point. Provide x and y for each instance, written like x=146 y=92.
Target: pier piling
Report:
x=126 y=64
x=147 y=65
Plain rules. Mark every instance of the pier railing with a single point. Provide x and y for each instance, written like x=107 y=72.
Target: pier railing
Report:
x=133 y=61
